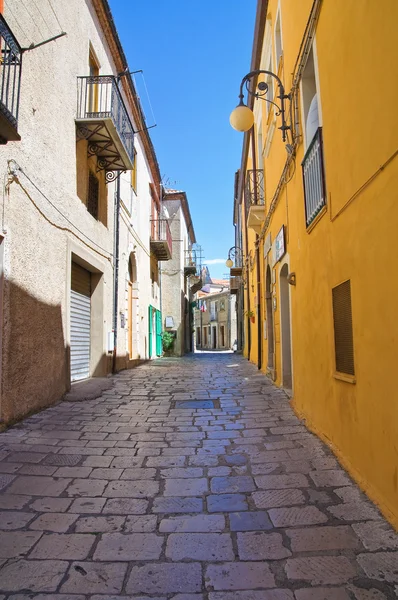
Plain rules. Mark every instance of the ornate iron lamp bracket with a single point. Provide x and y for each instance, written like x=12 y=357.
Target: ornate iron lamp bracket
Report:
x=261 y=92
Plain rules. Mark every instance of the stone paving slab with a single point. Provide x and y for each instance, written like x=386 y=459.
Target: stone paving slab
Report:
x=125 y=497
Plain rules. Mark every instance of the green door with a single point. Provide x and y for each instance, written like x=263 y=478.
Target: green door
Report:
x=150 y=331
x=158 y=333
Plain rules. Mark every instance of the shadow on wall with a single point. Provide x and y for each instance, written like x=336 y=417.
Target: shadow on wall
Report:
x=35 y=359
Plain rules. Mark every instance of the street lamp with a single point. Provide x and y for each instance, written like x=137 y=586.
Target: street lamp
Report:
x=242 y=117
x=233 y=253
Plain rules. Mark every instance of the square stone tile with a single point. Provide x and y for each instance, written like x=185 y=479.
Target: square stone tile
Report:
x=195 y=524
x=250 y=521
x=87 y=505
x=199 y=546
x=140 y=523
x=95 y=577
x=129 y=547
x=63 y=546
x=239 y=576
x=51 y=504
x=86 y=487
x=15 y=519
x=32 y=575
x=320 y=570
x=38 y=486
x=256 y=545
x=57 y=522
x=16 y=543
x=132 y=489
x=177 y=505
x=107 y=524
x=226 y=503
x=125 y=506
x=232 y=485
x=165 y=578
x=314 y=539
x=13 y=502
x=278 y=498
x=322 y=594
x=376 y=535
x=293 y=516
x=382 y=566
x=277 y=482
x=185 y=487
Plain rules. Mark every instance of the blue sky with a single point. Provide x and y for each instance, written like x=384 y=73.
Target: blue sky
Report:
x=194 y=55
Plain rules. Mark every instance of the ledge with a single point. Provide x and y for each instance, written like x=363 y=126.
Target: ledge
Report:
x=344 y=377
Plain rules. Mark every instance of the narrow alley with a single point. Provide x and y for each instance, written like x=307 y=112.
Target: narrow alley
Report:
x=190 y=479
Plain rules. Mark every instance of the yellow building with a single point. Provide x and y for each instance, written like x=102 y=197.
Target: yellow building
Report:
x=318 y=213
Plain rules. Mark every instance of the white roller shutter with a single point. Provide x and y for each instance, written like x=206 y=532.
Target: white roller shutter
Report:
x=80 y=323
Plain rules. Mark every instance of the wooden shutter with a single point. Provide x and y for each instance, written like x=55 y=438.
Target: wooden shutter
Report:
x=93 y=195
x=343 y=336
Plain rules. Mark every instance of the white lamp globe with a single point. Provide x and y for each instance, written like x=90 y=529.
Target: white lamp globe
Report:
x=229 y=263
x=242 y=118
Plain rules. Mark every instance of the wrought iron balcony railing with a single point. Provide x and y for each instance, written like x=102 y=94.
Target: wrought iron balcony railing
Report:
x=314 y=178
x=161 y=242
x=190 y=263
x=254 y=188
x=10 y=83
x=103 y=120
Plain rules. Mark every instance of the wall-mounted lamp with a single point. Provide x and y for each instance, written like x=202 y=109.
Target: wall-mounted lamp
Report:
x=242 y=117
x=234 y=253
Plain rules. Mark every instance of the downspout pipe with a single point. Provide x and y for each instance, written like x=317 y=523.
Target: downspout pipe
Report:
x=258 y=307
x=116 y=270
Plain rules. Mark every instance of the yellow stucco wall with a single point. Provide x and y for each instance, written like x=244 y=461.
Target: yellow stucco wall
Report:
x=355 y=239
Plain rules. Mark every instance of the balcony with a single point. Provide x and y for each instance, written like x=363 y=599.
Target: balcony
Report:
x=102 y=120
x=10 y=82
x=255 y=199
x=190 y=263
x=161 y=243
x=234 y=285
x=314 y=179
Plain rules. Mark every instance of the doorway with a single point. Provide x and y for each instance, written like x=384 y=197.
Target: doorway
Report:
x=132 y=332
x=214 y=338
x=270 y=320
x=285 y=329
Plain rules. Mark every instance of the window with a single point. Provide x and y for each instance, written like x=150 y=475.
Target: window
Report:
x=198 y=336
x=313 y=166
x=134 y=172
x=93 y=195
x=222 y=334
x=278 y=41
x=93 y=65
x=270 y=83
x=222 y=304
x=343 y=335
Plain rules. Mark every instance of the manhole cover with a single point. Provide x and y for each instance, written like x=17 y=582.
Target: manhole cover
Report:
x=195 y=404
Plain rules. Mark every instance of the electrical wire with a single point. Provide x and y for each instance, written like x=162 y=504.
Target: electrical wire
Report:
x=16 y=21
x=55 y=15
x=18 y=168
x=33 y=20
x=41 y=14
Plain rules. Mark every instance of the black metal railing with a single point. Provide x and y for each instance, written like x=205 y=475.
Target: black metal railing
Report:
x=314 y=178
x=98 y=97
x=10 y=73
x=254 y=188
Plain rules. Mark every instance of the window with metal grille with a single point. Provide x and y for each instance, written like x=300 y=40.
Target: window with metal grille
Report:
x=342 y=320
x=93 y=195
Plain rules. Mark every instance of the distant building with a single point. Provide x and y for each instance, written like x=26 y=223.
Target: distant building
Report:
x=215 y=317
x=179 y=274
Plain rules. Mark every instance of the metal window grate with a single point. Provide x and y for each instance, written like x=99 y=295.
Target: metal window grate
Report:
x=314 y=179
x=93 y=195
x=343 y=336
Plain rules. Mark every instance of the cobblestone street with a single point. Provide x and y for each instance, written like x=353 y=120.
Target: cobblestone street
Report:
x=145 y=493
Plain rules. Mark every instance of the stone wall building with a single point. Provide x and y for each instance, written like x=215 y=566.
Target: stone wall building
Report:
x=69 y=309
x=177 y=274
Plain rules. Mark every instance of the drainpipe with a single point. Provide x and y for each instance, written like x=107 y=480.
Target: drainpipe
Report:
x=116 y=270
x=257 y=255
